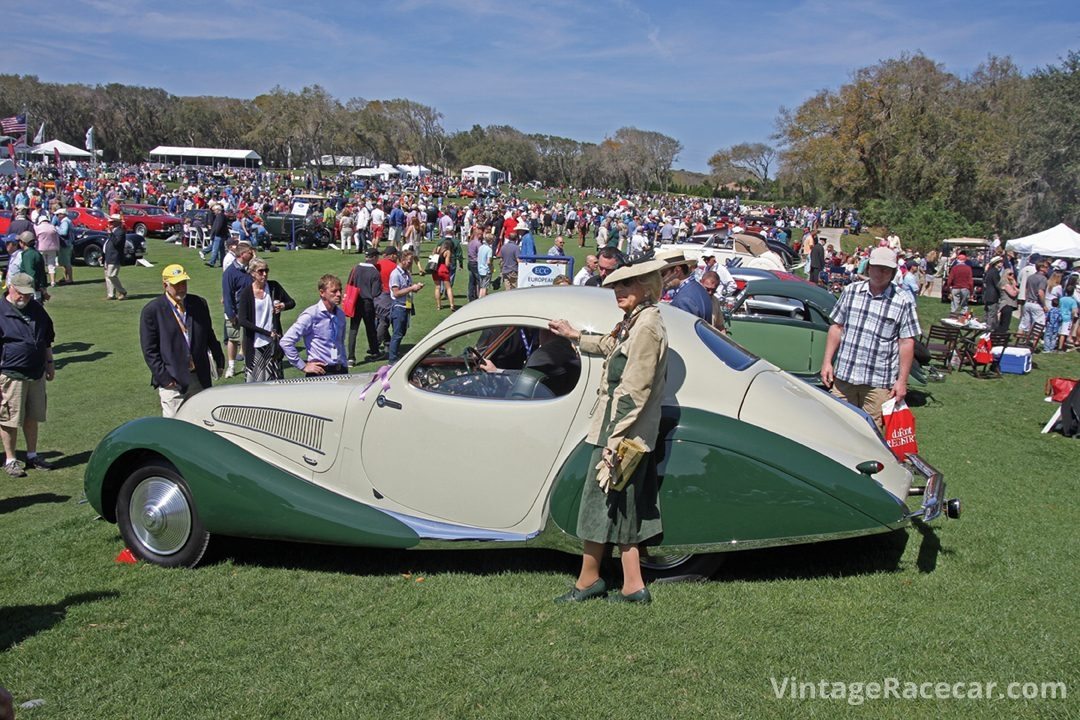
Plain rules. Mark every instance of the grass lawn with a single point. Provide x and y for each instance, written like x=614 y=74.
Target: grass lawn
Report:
x=272 y=630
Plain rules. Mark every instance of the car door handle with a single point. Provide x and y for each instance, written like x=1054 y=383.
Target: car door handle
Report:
x=381 y=401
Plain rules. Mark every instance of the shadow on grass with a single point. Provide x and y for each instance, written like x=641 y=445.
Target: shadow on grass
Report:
x=929 y=549
x=66 y=461
x=71 y=347
x=12 y=504
x=378 y=561
x=88 y=357
x=838 y=558
x=25 y=621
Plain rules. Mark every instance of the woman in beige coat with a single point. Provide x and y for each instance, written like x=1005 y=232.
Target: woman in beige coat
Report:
x=626 y=422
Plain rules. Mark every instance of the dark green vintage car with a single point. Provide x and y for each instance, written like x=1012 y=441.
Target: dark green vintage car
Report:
x=785 y=322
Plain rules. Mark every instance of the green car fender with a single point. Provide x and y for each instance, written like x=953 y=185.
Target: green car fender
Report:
x=235 y=492
x=726 y=481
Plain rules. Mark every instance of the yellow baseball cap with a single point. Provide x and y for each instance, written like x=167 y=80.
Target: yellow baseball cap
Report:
x=174 y=273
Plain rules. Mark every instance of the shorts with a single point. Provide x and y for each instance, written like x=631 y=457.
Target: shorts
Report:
x=50 y=260
x=64 y=257
x=232 y=331
x=484 y=282
x=21 y=399
x=376 y=232
x=509 y=281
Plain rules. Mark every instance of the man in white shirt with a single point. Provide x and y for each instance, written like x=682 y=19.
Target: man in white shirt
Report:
x=584 y=274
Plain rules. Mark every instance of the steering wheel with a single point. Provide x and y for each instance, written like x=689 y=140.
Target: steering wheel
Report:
x=473 y=359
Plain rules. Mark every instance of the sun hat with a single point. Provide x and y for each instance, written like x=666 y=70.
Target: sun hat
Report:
x=635 y=270
x=671 y=258
x=22 y=283
x=61 y=211
x=174 y=274
x=883 y=257
x=996 y=259
x=115 y=218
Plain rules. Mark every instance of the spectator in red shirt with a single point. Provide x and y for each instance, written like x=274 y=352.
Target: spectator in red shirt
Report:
x=383 y=302
x=961 y=284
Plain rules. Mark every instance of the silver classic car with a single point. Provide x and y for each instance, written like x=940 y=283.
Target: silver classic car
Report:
x=477 y=436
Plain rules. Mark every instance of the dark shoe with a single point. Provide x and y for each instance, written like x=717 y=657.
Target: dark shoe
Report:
x=597 y=589
x=40 y=463
x=641 y=596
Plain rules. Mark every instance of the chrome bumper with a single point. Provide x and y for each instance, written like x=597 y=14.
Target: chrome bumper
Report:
x=934 y=502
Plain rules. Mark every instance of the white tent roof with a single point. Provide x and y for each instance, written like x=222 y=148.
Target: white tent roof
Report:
x=65 y=149
x=384 y=170
x=1059 y=241
x=480 y=169
x=172 y=150
x=8 y=168
x=414 y=170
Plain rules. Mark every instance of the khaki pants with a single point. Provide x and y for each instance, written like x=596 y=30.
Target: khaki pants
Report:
x=112 y=282
x=172 y=398
x=870 y=399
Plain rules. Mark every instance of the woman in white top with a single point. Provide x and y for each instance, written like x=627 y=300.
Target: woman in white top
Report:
x=259 y=310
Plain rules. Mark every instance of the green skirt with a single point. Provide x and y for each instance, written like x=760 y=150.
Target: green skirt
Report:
x=630 y=516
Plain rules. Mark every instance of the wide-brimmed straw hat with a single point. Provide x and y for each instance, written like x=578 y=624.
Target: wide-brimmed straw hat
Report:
x=671 y=258
x=637 y=269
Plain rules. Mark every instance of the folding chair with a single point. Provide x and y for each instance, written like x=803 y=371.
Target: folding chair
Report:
x=941 y=342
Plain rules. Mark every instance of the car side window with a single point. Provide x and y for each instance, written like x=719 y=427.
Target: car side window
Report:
x=501 y=362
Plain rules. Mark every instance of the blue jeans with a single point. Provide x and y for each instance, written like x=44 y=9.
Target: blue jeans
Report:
x=217 y=251
x=399 y=321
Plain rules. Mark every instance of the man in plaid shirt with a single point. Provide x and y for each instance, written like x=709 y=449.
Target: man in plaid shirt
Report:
x=874 y=329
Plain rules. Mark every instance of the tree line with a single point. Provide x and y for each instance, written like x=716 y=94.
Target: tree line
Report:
x=918 y=147
x=288 y=129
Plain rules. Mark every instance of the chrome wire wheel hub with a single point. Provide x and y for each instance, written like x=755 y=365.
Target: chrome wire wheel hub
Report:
x=160 y=515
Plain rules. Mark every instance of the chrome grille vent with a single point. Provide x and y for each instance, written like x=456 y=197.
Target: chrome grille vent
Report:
x=294 y=427
x=313 y=378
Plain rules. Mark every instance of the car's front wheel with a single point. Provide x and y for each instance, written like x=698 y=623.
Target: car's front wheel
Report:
x=675 y=568
x=140 y=229
x=158 y=519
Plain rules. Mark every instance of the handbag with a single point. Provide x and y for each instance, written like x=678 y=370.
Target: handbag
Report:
x=352 y=294
x=432 y=264
x=899 y=424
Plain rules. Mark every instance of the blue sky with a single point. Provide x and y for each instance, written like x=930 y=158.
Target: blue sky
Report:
x=708 y=73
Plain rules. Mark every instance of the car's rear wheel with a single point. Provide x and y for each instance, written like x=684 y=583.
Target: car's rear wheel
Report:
x=679 y=568
x=157 y=518
x=92 y=255
x=140 y=229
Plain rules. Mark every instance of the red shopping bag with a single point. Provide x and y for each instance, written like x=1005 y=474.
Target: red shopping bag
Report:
x=899 y=428
x=983 y=350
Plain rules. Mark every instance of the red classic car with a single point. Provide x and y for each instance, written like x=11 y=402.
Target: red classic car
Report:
x=88 y=218
x=146 y=219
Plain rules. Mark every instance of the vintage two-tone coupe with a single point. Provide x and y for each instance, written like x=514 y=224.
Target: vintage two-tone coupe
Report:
x=446 y=449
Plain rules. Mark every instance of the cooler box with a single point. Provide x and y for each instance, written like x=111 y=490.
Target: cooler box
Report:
x=1016 y=361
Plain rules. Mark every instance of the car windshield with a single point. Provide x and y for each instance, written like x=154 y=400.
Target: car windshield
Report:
x=729 y=353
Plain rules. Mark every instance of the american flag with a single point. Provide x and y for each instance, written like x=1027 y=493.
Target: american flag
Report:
x=14 y=125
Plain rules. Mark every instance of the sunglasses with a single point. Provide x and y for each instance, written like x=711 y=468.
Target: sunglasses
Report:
x=623 y=284
x=263 y=271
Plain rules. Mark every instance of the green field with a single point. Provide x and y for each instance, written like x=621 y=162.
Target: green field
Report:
x=271 y=630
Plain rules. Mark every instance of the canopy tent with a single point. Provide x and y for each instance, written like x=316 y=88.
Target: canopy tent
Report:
x=68 y=151
x=206 y=156
x=384 y=171
x=9 y=168
x=342 y=161
x=483 y=174
x=414 y=171
x=1059 y=241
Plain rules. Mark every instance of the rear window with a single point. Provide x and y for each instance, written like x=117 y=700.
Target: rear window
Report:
x=729 y=353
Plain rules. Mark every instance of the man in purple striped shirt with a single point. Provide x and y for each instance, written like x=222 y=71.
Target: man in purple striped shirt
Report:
x=322 y=328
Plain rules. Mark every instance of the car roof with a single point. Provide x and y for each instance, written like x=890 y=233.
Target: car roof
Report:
x=798 y=290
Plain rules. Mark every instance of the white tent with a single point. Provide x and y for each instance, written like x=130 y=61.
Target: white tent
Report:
x=9 y=168
x=68 y=151
x=1059 y=241
x=384 y=171
x=415 y=171
x=484 y=174
x=205 y=156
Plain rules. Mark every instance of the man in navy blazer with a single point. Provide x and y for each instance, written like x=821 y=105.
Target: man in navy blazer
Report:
x=686 y=293
x=178 y=339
